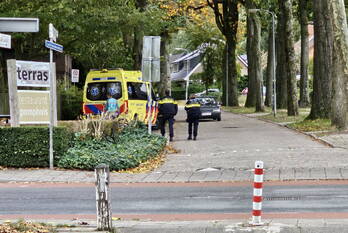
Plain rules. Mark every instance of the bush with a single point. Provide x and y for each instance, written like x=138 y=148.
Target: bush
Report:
x=29 y=146
x=127 y=150
x=71 y=102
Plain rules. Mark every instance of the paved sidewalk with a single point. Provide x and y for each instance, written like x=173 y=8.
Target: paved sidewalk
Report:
x=225 y=151
x=236 y=226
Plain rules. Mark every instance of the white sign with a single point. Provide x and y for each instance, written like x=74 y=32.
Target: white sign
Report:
x=33 y=74
x=75 y=73
x=19 y=24
x=52 y=32
x=5 y=41
x=34 y=107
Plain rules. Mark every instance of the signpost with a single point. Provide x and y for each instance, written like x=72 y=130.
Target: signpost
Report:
x=75 y=74
x=53 y=46
x=53 y=35
x=5 y=41
x=19 y=25
x=150 y=67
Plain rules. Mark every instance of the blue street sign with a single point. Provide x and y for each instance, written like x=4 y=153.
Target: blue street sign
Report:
x=53 y=46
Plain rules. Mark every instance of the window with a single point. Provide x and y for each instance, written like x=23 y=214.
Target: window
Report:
x=136 y=91
x=99 y=91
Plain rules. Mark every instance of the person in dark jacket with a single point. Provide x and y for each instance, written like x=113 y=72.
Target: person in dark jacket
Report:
x=167 y=109
x=193 y=110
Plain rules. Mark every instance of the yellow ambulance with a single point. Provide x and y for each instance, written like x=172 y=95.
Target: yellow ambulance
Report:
x=127 y=87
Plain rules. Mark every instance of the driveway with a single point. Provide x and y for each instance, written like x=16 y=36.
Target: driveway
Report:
x=238 y=141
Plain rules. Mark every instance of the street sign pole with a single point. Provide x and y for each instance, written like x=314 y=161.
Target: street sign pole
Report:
x=53 y=35
x=150 y=95
x=150 y=68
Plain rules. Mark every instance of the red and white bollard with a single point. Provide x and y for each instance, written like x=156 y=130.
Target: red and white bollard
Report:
x=257 y=198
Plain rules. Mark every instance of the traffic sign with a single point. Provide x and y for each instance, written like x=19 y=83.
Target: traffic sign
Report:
x=5 y=41
x=53 y=33
x=19 y=24
x=75 y=75
x=53 y=46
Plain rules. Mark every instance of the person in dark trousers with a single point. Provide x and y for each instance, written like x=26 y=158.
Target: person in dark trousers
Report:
x=167 y=109
x=193 y=110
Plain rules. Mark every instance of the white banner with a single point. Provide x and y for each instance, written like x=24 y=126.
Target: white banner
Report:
x=33 y=74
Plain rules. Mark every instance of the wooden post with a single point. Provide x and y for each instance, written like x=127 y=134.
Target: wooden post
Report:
x=104 y=215
x=12 y=90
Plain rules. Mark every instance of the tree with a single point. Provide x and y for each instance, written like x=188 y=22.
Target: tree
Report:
x=281 y=79
x=340 y=63
x=251 y=96
x=322 y=80
x=304 y=96
x=226 y=17
x=172 y=15
x=254 y=97
x=290 y=59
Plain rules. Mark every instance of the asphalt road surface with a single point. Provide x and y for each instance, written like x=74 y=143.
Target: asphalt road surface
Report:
x=172 y=199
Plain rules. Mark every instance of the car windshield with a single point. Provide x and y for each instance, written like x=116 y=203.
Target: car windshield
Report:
x=206 y=101
x=99 y=90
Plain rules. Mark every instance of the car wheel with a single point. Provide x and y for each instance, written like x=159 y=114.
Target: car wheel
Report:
x=219 y=118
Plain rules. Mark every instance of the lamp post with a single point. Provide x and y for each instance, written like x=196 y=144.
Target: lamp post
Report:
x=273 y=56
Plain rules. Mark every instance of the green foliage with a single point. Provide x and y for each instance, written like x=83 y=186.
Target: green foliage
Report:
x=71 y=102
x=313 y=125
x=29 y=146
x=179 y=91
x=242 y=82
x=127 y=150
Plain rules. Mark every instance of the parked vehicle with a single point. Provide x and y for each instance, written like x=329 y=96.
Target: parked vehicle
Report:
x=203 y=93
x=125 y=86
x=209 y=108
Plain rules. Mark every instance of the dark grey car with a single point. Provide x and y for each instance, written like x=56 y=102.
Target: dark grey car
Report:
x=209 y=108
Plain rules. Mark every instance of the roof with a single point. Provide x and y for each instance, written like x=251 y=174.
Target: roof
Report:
x=188 y=56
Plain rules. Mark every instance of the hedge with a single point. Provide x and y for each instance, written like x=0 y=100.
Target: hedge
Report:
x=130 y=148
x=29 y=146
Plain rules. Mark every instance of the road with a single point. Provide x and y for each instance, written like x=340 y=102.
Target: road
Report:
x=194 y=198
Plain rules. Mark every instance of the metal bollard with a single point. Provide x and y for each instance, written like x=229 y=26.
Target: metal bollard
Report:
x=104 y=215
x=257 y=198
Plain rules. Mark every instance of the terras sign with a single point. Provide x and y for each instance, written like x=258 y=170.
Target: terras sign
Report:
x=33 y=74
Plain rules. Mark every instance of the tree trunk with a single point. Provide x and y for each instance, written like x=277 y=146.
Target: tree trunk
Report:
x=138 y=37
x=322 y=80
x=281 y=61
x=304 y=96
x=232 y=74
x=251 y=96
x=290 y=59
x=227 y=22
x=254 y=61
x=224 y=72
x=165 y=75
x=270 y=67
x=256 y=46
x=340 y=64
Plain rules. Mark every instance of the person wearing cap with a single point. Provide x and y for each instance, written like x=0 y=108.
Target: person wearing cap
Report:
x=167 y=109
x=193 y=111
